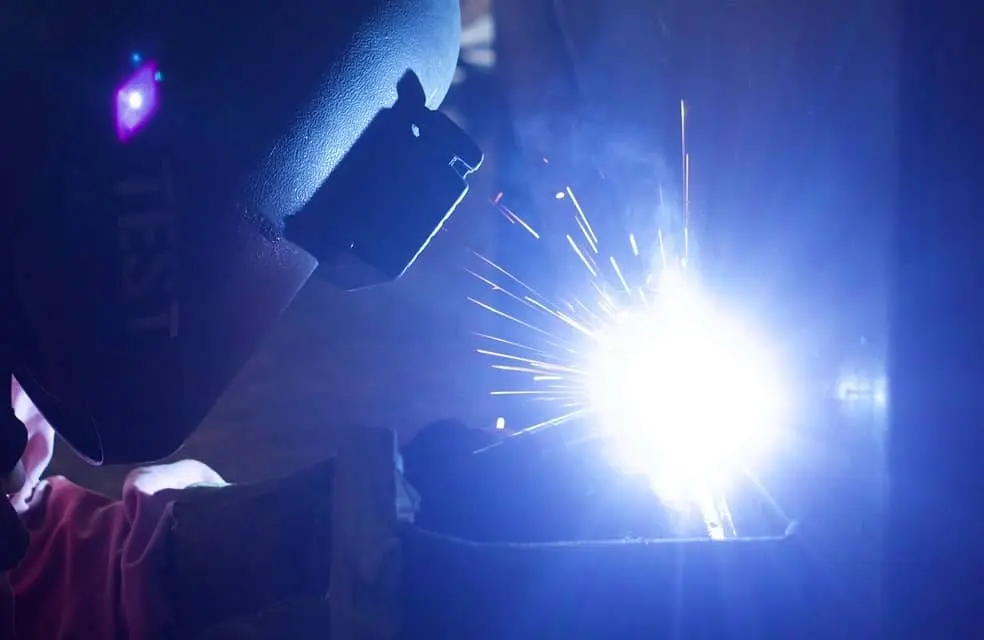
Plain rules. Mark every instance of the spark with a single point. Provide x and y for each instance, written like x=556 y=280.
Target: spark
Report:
x=686 y=179
x=635 y=355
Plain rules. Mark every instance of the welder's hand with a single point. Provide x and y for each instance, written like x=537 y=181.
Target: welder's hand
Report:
x=439 y=444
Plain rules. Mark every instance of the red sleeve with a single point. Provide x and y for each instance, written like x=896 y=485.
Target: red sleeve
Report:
x=91 y=570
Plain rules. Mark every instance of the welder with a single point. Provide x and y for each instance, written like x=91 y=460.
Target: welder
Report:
x=173 y=173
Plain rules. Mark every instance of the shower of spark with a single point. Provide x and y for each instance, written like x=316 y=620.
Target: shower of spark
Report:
x=675 y=389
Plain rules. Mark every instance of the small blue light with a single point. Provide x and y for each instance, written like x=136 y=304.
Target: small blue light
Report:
x=136 y=58
x=158 y=77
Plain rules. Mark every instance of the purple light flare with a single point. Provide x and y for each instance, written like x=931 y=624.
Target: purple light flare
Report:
x=136 y=102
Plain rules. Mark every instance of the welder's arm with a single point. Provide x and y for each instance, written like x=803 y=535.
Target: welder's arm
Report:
x=236 y=551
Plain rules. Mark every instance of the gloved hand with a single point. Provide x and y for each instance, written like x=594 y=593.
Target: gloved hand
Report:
x=439 y=444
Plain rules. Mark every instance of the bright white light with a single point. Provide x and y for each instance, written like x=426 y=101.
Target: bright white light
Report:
x=134 y=100
x=684 y=394
x=500 y=423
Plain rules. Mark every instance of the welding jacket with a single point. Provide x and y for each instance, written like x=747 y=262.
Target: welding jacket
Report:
x=169 y=559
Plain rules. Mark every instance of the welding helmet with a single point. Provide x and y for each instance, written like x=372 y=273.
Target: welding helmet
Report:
x=173 y=172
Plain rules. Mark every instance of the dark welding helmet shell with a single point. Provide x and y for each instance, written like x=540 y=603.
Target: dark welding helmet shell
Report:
x=143 y=252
